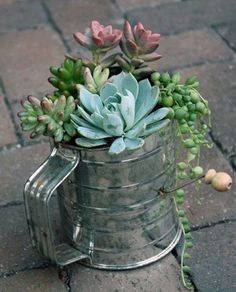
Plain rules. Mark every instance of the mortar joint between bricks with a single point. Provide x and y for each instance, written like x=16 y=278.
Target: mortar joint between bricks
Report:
x=228 y=44
x=212 y=224
x=54 y=25
x=226 y=153
x=64 y=275
x=11 y=114
x=117 y=6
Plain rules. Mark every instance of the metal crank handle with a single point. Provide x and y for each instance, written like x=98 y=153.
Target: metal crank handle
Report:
x=37 y=194
x=220 y=181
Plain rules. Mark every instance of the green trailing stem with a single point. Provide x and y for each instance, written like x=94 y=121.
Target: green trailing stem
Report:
x=190 y=110
x=187 y=244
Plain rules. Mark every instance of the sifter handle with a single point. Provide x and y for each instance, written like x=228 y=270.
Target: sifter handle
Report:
x=37 y=194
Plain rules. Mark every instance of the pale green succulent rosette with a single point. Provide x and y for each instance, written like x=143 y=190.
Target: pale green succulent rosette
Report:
x=123 y=109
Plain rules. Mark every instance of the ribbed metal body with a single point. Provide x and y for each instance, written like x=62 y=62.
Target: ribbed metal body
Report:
x=111 y=209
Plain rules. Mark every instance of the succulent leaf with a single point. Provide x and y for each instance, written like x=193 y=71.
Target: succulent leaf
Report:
x=98 y=119
x=110 y=60
x=85 y=115
x=150 y=57
x=94 y=81
x=157 y=115
x=92 y=133
x=150 y=129
x=127 y=109
x=147 y=99
x=137 y=130
x=113 y=124
x=123 y=63
x=66 y=77
x=79 y=121
x=122 y=110
x=48 y=117
x=91 y=102
x=125 y=81
x=117 y=146
x=109 y=89
x=98 y=37
x=138 y=45
x=133 y=144
x=88 y=143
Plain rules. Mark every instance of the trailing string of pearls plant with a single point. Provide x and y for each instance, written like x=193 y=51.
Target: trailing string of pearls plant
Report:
x=190 y=111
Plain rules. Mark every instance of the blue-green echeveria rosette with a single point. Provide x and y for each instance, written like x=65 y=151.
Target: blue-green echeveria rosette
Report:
x=123 y=109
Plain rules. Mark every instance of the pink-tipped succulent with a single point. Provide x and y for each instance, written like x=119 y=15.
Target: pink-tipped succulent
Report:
x=99 y=39
x=49 y=117
x=139 y=46
x=139 y=40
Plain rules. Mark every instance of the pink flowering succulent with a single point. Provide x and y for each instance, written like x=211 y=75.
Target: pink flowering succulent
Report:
x=138 y=46
x=140 y=43
x=99 y=37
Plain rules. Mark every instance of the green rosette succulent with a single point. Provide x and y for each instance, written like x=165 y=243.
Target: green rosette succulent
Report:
x=66 y=77
x=123 y=110
x=48 y=117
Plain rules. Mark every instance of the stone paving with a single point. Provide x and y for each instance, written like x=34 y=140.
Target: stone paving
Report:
x=198 y=37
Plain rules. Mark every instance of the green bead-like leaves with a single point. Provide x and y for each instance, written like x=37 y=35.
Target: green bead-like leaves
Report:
x=50 y=117
x=122 y=110
x=66 y=77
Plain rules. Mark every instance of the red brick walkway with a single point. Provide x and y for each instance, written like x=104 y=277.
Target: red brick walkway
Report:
x=198 y=37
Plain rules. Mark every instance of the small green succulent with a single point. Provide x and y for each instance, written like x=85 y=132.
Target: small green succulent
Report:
x=123 y=110
x=94 y=81
x=48 y=117
x=66 y=77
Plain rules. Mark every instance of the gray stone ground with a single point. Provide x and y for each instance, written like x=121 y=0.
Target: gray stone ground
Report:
x=198 y=37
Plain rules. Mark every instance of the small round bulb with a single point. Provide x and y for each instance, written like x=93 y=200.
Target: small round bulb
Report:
x=221 y=182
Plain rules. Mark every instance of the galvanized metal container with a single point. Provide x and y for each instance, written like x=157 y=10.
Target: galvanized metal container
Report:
x=112 y=213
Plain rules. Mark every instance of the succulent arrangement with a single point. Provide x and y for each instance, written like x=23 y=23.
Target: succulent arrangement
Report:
x=123 y=109
x=117 y=99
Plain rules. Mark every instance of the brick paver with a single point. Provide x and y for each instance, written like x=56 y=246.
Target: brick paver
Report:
x=213 y=258
x=228 y=32
x=16 y=251
x=4 y=2
x=7 y=131
x=27 y=58
x=190 y=48
x=18 y=15
x=185 y=15
x=160 y=276
x=36 y=280
x=16 y=166
x=132 y=4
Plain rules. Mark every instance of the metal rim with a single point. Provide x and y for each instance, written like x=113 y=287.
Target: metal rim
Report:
x=140 y=263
